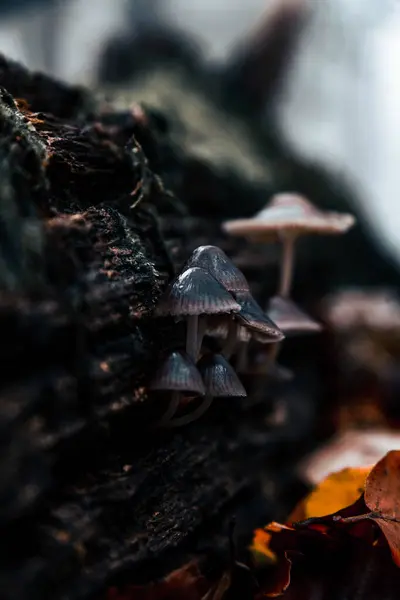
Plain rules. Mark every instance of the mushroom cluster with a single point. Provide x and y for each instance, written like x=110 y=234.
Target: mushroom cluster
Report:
x=212 y=295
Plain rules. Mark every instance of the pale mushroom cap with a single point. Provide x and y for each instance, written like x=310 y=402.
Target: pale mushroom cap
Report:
x=178 y=373
x=195 y=292
x=219 y=378
x=290 y=318
x=214 y=260
x=256 y=320
x=291 y=214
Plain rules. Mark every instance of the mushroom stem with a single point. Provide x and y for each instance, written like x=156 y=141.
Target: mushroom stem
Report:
x=171 y=410
x=287 y=264
x=201 y=330
x=179 y=421
x=273 y=354
x=191 y=336
x=242 y=360
x=231 y=340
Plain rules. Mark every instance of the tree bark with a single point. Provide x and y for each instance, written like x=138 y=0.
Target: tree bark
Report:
x=89 y=492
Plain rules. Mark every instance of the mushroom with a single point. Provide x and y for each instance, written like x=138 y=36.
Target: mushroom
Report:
x=250 y=322
x=253 y=318
x=290 y=318
x=214 y=260
x=195 y=292
x=176 y=374
x=220 y=380
x=286 y=217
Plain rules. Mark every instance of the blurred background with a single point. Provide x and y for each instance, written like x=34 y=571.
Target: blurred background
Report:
x=236 y=100
x=323 y=72
x=259 y=96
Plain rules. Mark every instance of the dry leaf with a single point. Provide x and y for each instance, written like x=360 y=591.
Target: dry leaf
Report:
x=382 y=493
x=382 y=497
x=338 y=490
x=336 y=517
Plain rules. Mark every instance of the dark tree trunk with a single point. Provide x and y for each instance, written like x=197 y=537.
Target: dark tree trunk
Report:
x=90 y=492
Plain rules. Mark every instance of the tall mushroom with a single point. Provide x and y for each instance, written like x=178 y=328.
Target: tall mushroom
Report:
x=193 y=293
x=220 y=380
x=286 y=217
x=176 y=374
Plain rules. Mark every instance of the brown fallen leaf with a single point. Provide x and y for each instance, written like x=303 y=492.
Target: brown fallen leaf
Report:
x=382 y=491
x=336 y=518
x=382 y=497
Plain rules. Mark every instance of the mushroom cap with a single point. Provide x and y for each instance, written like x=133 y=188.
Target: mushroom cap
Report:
x=195 y=292
x=178 y=373
x=292 y=214
x=290 y=318
x=256 y=320
x=219 y=377
x=216 y=262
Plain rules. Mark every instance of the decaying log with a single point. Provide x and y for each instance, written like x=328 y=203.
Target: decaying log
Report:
x=90 y=492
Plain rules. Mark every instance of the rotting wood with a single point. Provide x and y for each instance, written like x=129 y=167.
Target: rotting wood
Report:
x=89 y=491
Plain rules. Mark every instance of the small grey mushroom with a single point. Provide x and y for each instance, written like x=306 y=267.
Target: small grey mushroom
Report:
x=252 y=316
x=177 y=374
x=254 y=319
x=219 y=377
x=193 y=293
x=290 y=318
x=220 y=380
x=214 y=260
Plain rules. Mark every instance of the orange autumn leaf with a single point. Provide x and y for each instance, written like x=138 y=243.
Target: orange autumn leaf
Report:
x=335 y=492
x=260 y=546
x=382 y=498
x=331 y=521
